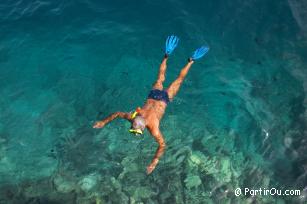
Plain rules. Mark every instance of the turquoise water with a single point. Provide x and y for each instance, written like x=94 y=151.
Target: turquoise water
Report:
x=238 y=121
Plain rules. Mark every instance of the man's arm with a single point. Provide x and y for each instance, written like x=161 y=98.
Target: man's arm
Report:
x=111 y=117
x=155 y=132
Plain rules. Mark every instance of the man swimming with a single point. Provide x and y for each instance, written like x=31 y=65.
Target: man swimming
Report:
x=151 y=113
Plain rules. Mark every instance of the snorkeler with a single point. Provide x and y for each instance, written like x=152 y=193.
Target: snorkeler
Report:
x=150 y=114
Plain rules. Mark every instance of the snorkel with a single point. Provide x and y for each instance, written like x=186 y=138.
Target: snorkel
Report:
x=138 y=124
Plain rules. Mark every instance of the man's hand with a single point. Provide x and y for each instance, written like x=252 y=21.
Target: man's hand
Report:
x=152 y=166
x=99 y=124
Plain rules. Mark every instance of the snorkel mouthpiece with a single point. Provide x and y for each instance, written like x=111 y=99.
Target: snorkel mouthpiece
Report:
x=133 y=115
x=136 y=112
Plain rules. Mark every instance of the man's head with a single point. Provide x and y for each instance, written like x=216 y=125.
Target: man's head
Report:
x=138 y=125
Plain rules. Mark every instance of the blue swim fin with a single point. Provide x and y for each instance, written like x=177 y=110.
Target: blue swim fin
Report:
x=170 y=44
x=200 y=52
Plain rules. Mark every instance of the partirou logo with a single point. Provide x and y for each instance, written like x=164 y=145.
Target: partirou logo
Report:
x=264 y=191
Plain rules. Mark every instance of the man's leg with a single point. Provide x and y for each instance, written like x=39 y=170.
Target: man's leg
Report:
x=174 y=87
x=161 y=76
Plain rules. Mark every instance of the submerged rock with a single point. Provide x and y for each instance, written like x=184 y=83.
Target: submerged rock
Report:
x=89 y=182
x=220 y=167
x=64 y=185
x=197 y=158
x=192 y=181
x=225 y=171
x=129 y=165
x=142 y=192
